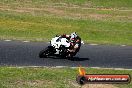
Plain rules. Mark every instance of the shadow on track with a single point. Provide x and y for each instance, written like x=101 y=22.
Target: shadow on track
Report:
x=78 y=59
x=72 y=59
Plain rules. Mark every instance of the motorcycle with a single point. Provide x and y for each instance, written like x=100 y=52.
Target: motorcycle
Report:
x=58 y=47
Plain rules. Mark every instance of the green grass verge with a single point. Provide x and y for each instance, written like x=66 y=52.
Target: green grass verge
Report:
x=87 y=3
x=40 y=20
x=49 y=77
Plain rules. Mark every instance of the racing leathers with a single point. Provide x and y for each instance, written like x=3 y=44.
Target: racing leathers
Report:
x=75 y=41
x=75 y=46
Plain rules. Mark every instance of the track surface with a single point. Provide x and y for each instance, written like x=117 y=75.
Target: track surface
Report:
x=17 y=53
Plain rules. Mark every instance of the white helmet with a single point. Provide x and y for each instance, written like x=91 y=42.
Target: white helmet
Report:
x=73 y=35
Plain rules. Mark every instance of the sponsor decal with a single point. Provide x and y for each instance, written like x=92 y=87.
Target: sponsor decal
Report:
x=84 y=78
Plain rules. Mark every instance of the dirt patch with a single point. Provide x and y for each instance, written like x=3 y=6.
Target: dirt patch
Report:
x=54 y=11
x=28 y=10
x=99 y=16
x=58 y=12
x=34 y=83
x=7 y=8
x=107 y=9
x=75 y=84
x=98 y=86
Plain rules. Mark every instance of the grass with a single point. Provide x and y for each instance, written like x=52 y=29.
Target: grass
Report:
x=89 y=3
x=40 y=20
x=96 y=21
x=49 y=77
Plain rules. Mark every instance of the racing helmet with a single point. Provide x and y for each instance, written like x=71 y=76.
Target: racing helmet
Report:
x=73 y=35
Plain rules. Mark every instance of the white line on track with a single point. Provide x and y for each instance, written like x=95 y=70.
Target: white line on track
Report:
x=60 y=66
x=65 y=67
x=95 y=67
x=123 y=45
x=7 y=40
x=111 y=68
x=26 y=41
x=93 y=44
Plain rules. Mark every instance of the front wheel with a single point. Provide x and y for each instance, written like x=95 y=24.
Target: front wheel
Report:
x=44 y=53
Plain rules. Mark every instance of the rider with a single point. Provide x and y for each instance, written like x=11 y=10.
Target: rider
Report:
x=75 y=43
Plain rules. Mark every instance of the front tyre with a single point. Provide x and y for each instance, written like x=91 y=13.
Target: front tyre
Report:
x=44 y=53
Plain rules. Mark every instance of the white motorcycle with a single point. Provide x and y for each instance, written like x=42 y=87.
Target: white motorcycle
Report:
x=58 y=47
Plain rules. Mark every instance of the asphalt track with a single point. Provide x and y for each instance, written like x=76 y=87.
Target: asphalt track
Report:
x=17 y=53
